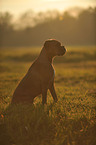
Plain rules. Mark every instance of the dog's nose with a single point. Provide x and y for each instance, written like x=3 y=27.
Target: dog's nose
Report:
x=64 y=48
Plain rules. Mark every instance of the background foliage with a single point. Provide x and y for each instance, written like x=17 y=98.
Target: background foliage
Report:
x=33 y=29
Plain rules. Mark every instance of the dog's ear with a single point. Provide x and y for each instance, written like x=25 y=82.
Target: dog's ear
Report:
x=47 y=44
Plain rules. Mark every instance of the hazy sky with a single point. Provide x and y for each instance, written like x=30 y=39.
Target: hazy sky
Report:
x=19 y=6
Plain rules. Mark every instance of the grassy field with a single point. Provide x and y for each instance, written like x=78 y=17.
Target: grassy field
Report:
x=70 y=121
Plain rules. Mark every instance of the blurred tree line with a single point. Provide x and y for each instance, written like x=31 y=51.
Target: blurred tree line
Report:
x=33 y=29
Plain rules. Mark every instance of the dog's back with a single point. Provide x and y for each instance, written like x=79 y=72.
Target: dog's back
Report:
x=29 y=87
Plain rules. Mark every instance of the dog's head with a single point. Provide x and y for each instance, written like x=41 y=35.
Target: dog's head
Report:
x=54 y=47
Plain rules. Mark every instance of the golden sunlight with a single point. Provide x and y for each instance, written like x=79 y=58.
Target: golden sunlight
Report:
x=21 y=6
x=51 y=0
x=54 y=0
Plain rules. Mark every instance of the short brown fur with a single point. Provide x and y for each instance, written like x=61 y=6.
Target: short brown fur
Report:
x=40 y=76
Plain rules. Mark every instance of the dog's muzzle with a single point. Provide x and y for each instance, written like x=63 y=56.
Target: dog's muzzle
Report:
x=62 y=50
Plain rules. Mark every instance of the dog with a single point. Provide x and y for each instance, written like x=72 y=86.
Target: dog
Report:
x=40 y=76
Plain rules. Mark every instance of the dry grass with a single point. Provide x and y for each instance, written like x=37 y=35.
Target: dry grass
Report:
x=71 y=121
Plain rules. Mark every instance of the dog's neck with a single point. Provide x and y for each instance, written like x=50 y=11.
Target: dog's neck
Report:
x=50 y=58
x=45 y=55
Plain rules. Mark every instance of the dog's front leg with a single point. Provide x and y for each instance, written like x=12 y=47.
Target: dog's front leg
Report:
x=53 y=93
x=44 y=95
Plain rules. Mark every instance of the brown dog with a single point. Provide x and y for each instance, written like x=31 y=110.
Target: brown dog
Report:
x=40 y=76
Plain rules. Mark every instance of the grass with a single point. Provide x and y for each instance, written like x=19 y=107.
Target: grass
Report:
x=70 y=121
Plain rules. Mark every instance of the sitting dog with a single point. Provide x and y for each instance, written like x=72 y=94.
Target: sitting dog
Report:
x=40 y=76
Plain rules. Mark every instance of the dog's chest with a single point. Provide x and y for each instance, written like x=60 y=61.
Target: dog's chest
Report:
x=52 y=75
